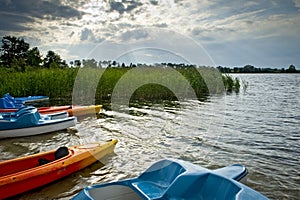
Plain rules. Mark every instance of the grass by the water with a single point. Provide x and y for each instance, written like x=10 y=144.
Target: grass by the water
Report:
x=138 y=83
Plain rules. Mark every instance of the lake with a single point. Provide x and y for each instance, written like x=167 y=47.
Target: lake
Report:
x=258 y=127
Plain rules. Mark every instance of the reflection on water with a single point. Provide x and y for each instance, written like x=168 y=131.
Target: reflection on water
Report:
x=258 y=128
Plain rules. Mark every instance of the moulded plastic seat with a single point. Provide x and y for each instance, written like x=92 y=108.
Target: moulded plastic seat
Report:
x=6 y=103
x=24 y=109
x=61 y=152
x=206 y=186
x=156 y=179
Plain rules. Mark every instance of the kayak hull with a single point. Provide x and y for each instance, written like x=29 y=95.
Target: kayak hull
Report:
x=23 y=174
x=72 y=110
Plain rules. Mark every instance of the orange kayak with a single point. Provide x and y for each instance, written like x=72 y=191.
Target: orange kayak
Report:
x=22 y=174
x=72 y=110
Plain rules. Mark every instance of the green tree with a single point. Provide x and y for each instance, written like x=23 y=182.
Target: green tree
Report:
x=34 y=57
x=248 y=69
x=77 y=63
x=53 y=60
x=13 y=50
x=92 y=63
x=291 y=68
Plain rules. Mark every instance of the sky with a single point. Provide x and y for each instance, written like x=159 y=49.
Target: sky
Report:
x=262 y=33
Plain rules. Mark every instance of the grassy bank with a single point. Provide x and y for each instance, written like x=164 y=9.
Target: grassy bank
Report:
x=53 y=83
x=139 y=83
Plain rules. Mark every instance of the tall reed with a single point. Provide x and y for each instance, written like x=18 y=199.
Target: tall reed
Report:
x=150 y=83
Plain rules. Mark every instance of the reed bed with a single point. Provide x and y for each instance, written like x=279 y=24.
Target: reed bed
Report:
x=139 y=83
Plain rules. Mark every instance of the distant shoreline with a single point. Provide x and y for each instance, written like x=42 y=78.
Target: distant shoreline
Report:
x=254 y=70
x=261 y=72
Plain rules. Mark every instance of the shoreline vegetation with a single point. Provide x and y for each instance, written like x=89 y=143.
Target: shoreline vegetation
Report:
x=252 y=69
x=144 y=83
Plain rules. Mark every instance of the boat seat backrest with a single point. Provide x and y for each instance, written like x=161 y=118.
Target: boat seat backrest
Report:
x=206 y=186
x=28 y=118
x=163 y=172
x=156 y=179
x=24 y=110
x=6 y=103
x=9 y=97
x=28 y=110
x=61 y=152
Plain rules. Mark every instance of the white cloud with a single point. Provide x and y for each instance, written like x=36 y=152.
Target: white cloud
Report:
x=210 y=22
x=138 y=34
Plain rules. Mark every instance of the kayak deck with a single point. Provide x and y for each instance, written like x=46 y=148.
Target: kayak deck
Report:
x=26 y=163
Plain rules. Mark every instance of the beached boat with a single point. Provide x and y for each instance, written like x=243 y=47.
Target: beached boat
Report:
x=27 y=121
x=72 y=110
x=176 y=179
x=16 y=102
x=25 y=173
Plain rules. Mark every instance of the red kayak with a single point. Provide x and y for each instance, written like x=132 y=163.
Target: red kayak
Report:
x=25 y=173
x=72 y=110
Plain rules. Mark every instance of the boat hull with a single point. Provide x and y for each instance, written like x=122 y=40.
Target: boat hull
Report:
x=72 y=110
x=59 y=124
x=176 y=179
x=23 y=174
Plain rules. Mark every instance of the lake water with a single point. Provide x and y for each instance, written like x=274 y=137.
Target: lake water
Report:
x=258 y=127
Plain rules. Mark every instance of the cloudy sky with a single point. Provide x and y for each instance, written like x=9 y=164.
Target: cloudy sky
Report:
x=263 y=33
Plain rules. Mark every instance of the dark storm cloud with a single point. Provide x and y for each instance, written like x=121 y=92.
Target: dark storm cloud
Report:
x=124 y=6
x=16 y=14
x=154 y=2
x=6 y=20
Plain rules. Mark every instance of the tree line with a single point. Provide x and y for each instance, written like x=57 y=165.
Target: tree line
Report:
x=16 y=55
x=252 y=69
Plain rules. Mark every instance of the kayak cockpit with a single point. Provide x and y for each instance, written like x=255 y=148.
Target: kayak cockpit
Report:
x=59 y=153
x=29 y=162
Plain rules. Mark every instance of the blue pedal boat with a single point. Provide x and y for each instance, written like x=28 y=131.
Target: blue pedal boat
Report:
x=27 y=121
x=7 y=101
x=176 y=179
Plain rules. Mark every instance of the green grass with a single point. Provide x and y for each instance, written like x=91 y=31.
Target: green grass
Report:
x=53 y=83
x=140 y=83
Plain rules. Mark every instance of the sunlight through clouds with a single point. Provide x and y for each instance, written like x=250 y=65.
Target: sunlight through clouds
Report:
x=215 y=24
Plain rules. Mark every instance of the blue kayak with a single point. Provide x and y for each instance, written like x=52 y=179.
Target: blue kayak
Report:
x=7 y=101
x=176 y=179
